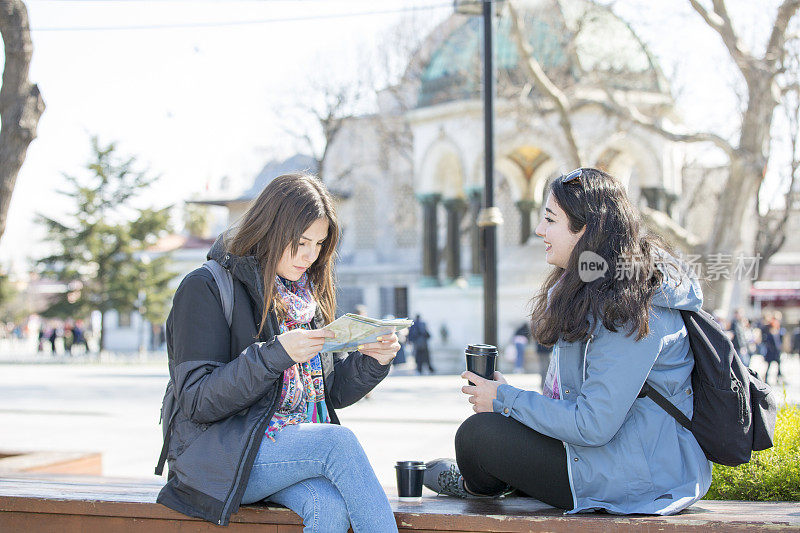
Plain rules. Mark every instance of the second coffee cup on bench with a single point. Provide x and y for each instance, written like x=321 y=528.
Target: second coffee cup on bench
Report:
x=409 y=480
x=481 y=359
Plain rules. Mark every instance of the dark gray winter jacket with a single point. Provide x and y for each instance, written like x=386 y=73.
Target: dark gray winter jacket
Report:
x=227 y=383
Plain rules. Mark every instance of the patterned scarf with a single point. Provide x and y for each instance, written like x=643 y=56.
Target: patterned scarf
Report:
x=303 y=393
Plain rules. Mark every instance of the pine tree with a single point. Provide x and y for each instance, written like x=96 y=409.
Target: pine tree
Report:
x=100 y=246
x=8 y=293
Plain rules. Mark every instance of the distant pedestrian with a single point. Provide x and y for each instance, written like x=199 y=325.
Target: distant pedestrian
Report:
x=522 y=337
x=418 y=336
x=43 y=334
x=738 y=328
x=79 y=335
x=444 y=333
x=54 y=335
x=68 y=337
x=156 y=336
x=772 y=340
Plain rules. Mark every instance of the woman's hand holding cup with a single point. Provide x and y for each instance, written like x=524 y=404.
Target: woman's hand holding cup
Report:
x=303 y=344
x=483 y=393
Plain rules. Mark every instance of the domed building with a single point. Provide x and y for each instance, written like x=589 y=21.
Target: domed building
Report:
x=410 y=177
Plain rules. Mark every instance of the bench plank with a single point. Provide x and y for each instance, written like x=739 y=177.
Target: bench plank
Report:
x=32 y=502
x=51 y=462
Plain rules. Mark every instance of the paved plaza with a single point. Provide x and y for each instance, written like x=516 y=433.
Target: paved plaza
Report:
x=113 y=408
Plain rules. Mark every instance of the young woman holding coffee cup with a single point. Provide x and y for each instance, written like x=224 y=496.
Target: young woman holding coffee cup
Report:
x=588 y=441
x=253 y=416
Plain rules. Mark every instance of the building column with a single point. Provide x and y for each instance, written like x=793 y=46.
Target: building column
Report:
x=671 y=203
x=430 y=246
x=525 y=208
x=455 y=210
x=476 y=242
x=655 y=197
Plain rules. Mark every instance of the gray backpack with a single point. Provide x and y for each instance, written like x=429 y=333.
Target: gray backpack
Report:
x=224 y=281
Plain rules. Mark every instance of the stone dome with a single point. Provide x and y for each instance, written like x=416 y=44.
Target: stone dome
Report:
x=569 y=37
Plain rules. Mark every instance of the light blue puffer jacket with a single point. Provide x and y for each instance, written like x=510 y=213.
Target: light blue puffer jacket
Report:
x=624 y=454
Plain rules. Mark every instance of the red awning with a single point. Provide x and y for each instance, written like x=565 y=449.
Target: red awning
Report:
x=776 y=292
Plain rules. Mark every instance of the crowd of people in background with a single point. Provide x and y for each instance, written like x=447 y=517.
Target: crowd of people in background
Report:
x=54 y=336
x=767 y=337
x=10 y=330
x=63 y=336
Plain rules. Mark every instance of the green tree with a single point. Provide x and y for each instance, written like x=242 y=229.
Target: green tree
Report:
x=7 y=290
x=100 y=248
x=8 y=293
x=158 y=297
x=196 y=220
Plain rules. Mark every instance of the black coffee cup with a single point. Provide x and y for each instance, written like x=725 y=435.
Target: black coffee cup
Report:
x=409 y=480
x=481 y=359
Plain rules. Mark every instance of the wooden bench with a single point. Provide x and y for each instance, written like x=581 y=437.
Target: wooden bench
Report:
x=83 y=463
x=85 y=504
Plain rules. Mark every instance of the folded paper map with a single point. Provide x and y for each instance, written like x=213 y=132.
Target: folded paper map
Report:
x=354 y=330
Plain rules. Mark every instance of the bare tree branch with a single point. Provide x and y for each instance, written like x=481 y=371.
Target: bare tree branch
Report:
x=720 y=22
x=776 y=46
x=662 y=224
x=630 y=113
x=773 y=225
x=792 y=87
x=543 y=83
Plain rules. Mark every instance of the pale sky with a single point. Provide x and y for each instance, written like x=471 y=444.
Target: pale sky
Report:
x=194 y=104
x=193 y=88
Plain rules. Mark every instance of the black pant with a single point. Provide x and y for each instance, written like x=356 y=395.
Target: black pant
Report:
x=494 y=452
x=422 y=357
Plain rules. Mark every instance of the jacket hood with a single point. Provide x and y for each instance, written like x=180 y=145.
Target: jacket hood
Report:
x=218 y=249
x=243 y=268
x=680 y=290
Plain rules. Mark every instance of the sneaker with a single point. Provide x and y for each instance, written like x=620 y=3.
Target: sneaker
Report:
x=442 y=476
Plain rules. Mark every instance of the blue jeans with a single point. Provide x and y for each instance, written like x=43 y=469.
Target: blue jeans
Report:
x=320 y=472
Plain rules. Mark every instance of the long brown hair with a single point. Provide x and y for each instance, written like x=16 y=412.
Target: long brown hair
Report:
x=285 y=209
x=564 y=306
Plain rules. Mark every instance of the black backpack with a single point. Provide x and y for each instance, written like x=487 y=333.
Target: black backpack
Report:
x=734 y=411
x=224 y=281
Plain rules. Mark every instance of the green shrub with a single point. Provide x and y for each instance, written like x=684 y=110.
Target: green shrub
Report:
x=771 y=475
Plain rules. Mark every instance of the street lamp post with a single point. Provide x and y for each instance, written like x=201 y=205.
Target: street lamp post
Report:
x=489 y=217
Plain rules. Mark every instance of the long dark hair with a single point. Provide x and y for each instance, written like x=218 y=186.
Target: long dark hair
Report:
x=286 y=208
x=567 y=306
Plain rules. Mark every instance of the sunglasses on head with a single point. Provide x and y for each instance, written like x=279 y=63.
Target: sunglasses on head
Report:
x=574 y=175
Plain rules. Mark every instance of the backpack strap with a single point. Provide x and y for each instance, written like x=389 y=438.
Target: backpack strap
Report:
x=665 y=404
x=224 y=280
x=162 y=458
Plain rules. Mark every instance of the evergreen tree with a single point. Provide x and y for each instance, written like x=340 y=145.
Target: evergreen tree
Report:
x=100 y=246
x=8 y=294
x=196 y=220
x=7 y=290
